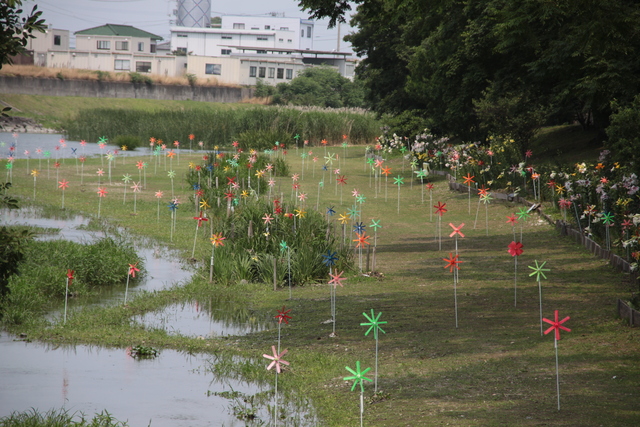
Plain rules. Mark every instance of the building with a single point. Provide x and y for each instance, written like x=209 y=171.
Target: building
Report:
x=245 y=49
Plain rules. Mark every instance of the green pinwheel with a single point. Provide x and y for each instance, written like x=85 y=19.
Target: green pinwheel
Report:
x=398 y=181
x=538 y=271
x=374 y=323
x=607 y=218
x=358 y=376
x=523 y=214
x=283 y=246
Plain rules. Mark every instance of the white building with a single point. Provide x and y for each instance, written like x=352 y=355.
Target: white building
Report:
x=248 y=48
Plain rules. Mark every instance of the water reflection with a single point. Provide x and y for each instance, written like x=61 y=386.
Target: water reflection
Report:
x=36 y=144
x=206 y=319
x=170 y=390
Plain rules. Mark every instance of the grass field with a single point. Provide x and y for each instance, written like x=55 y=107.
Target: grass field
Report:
x=495 y=369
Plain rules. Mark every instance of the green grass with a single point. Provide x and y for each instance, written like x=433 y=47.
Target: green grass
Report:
x=494 y=370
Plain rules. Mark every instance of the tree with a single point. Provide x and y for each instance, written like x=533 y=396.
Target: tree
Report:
x=15 y=31
x=320 y=86
x=440 y=58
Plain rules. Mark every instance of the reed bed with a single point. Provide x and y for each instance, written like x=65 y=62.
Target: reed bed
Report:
x=219 y=125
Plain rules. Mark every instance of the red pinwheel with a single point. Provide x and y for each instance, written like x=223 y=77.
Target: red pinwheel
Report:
x=228 y=196
x=341 y=180
x=429 y=186
x=440 y=208
x=515 y=248
x=556 y=325
x=200 y=219
x=456 y=230
x=133 y=269
x=453 y=261
x=482 y=191
x=70 y=277
x=282 y=315
x=512 y=220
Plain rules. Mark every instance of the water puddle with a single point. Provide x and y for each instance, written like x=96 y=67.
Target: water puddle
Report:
x=171 y=390
x=206 y=319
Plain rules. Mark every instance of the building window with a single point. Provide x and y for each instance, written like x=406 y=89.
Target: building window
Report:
x=183 y=35
x=145 y=67
x=255 y=28
x=284 y=28
x=289 y=73
x=272 y=72
x=302 y=33
x=181 y=50
x=122 y=45
x=267 y=27
x=261 y=51
x=104 y=44
x=227 y=38
x=262 y=72
x=281 y=40
x=289 y=40
x=57 y=40
x=308 y=32
x=237 y=26
x=214 y=69
x=140 y=46
x=152 y=48
x=262 y=38
x=280 y=73
x=252 y=71
x=225 y=51
x=122 y=64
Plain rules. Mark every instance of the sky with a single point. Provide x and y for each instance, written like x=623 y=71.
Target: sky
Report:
x=153 y=15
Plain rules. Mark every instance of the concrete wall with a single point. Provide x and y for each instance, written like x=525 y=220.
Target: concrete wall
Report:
x=96 y=89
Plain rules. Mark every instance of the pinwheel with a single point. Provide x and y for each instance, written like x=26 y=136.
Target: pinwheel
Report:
x=158 y=196
x=276 y=361
x=131 y=273
x=515 y=250
x=398 y=181
x=173 y=206
x=556 y=326
x=200 y=219
x=330 y=211
x=102 y=192
x=468 y=180
x=64 y=184
x=358 y=377
x=440 y=210
x=374 y=325
x=452 y=265
x=66 y=292
x=216 y=240
x=375 y=225
x=538 y=271
x=456 y=232
x=607 y=220
x=126 y=178
x=171 y=174
x=342 y=181
x=34 y=174
x=102 y=143
x=386 y=172
x=100 y=172
x=136 y=189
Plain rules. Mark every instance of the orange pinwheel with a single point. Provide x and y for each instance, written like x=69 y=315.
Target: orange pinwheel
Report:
x=217 y=239
x=468 y=179
x=362 y=240
x=452 y=261
x=386 y=171
x=483 y=191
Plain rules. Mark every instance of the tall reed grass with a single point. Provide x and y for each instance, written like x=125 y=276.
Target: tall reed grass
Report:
x=219 y=125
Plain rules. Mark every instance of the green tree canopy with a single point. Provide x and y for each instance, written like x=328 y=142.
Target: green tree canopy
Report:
x=16 y=30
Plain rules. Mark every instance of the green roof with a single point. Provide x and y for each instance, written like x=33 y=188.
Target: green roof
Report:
x=118 y=30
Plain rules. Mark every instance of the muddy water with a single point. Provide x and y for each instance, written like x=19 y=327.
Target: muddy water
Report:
x=171 y=390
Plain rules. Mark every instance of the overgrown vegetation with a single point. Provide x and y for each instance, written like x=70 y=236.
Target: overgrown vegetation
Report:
x=220 y=125
x=59 y=418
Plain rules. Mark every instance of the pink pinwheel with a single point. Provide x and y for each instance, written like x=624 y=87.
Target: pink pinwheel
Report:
x=295 y=177
x=515 y=249
x=355 y=192
x=276 y=359
x=132 y=269
x=556 y=325
x=302 y=197
x=158 y=196
x=267 y=218
x=456 y=230
x=336 y=279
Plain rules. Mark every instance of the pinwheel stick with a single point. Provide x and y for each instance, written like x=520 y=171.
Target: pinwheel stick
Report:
x=66 y=294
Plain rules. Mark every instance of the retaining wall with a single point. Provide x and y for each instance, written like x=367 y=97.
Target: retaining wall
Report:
x=102 y=89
